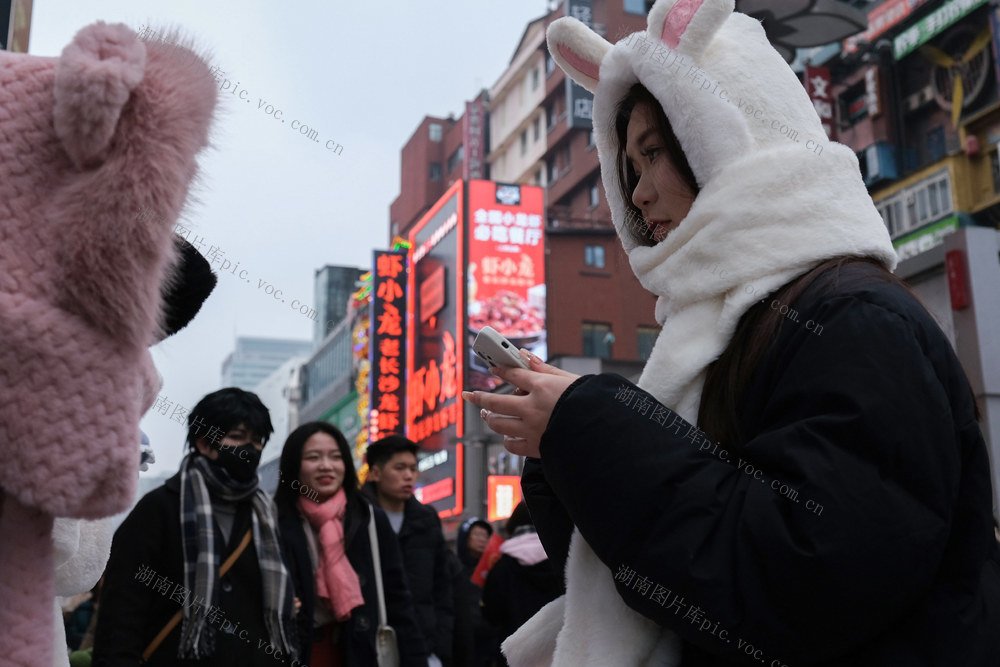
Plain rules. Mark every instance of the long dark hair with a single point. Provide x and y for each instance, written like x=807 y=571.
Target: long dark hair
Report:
x=727 y=377
x=627 y=180
x=286 y=497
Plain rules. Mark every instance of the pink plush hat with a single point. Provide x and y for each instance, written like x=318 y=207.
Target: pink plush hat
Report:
x=87 y=141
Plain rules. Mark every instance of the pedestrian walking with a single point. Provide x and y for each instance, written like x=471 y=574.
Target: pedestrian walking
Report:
x=776 y=489
x=476 y=642
x=523 y=580
x=392 y=475
x=196 y=575
x=325 y=534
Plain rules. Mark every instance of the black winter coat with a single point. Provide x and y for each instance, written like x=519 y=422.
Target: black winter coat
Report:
x=133 y=611
x=421 y=542
x=852 y=528
x=358 y=632
x=513 y=592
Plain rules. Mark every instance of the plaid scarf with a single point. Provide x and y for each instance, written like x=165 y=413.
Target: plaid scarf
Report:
x=201 y=481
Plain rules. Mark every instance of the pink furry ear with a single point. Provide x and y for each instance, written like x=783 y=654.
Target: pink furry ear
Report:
x=94 y=78
x=578 y=50
x=687 y=25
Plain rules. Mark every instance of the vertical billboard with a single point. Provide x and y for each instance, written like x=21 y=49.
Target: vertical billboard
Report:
x=506 y=270
x=817 y=82
x=474 y=140
x=435 y=350
x=579 y=100
x=387 y=345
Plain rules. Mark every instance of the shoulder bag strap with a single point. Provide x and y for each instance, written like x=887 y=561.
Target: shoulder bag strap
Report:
x=373 y=540
x=172 y=623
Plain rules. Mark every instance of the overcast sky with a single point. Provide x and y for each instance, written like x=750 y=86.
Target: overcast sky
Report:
x=362 y=74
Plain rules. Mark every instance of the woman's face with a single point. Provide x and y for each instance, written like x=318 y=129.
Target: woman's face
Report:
x=661 y=193
x=322 y=465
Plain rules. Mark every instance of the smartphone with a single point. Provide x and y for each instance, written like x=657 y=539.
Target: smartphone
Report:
x=496 y=350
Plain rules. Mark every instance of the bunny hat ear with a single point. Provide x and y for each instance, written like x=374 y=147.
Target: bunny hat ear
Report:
x=688 y=25
x=578 y=50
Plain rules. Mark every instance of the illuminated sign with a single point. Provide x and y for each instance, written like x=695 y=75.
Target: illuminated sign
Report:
x=506 y=270
x=880 y=19
x=503 y=495
x=387 y=346
x=436 y=347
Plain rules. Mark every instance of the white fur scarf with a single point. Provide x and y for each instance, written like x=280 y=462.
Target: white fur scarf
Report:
x=766 y=219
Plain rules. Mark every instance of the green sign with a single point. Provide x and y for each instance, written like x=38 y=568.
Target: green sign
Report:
x=932 y=24
x=924 y=239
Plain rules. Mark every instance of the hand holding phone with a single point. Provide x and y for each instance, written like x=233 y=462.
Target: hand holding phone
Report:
x=496 y=350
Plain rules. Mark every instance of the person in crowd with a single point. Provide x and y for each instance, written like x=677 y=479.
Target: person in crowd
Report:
x=163 y=599
x=798 y=477
x=324 y=522
x=523 y=580
x=476 y=642
x=392 y=473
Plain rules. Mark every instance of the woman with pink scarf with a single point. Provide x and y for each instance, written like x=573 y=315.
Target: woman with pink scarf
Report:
x=324 y=533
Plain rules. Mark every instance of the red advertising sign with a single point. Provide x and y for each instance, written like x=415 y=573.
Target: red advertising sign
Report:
x=506 y=270
x=474 y=140
x=880 y=19
x=503 y=495
x=817 y=80
x=388 y=343
x=435 y=344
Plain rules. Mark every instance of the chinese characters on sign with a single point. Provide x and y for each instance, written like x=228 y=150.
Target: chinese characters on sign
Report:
x=388 y=343
x=436 y=347
x=474 y=140
x=818 y=89
x=506 y=270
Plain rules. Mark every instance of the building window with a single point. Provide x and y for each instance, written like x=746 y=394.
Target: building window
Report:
x=435 y=171
x=550 y=117
x=539 y=176
x=524 y=142
x=534 y=78
x=550 y=65
x=595 y=195
x=593 y=255
x=435 y=132
x=538 y=127
x=647 y=337
x=456 y=158
x=636 y=7
x=935 y=144
x=553 y=171
x=597 y=339
x=922 y=203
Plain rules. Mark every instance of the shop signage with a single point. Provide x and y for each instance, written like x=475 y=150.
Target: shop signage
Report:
x=387 y=347
x=474 y=140
x=503 y=495
x=817 y=81
x=924 y=239
x=931 y=25
x=880 y=19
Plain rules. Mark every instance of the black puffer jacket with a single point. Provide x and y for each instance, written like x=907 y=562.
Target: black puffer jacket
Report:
x=853 y=526
x=421 y=542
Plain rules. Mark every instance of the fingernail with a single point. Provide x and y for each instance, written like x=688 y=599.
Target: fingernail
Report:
x=483 y=413
x=527 y=355
x=467 y=395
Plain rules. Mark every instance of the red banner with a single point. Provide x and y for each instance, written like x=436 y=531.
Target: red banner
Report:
x=817 y=80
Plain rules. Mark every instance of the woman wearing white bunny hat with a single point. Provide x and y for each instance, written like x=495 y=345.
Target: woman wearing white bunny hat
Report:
x=799 y=477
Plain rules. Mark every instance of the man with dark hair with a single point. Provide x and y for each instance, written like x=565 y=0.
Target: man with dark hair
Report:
x=163 y=598
x=392 y=473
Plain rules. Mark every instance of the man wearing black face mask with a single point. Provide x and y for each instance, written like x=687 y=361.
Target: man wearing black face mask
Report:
x=166 y=556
